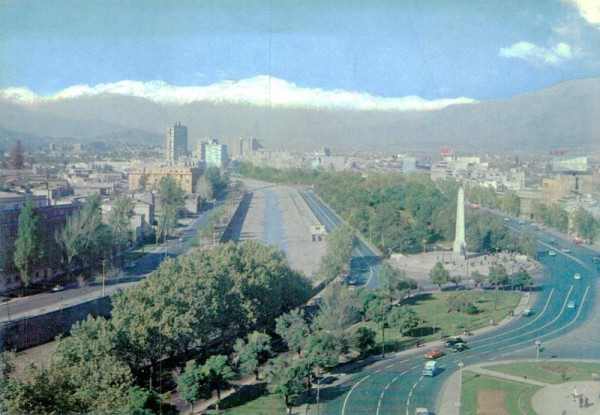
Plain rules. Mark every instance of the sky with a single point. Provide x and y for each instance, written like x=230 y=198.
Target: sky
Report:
x=481 y=49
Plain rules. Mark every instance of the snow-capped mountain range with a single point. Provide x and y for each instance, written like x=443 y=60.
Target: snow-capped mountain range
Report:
x=259 y=90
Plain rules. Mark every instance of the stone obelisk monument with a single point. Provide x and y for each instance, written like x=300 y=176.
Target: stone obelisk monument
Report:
x=460 y=245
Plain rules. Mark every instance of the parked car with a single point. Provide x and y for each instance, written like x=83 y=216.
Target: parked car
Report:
x=58 y=288
x=434 y=353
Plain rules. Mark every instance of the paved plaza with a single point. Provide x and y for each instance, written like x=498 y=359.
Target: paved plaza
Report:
x=418 y=266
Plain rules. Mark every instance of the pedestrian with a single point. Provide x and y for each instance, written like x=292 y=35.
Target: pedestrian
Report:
x=564 y=412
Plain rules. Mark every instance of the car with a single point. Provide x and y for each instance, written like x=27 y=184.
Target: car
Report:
x=527 y=312
x=506 y=219
x=352 y=281
x=434 y=353
x=421 y=411
x=596 y=259
x=459 y=347
x=58 y=288
x=552 y=253
x=552 y=241
x=571 y=304
x=565 y=250
x=521 y=222
x=451 y=341
x=577 y=276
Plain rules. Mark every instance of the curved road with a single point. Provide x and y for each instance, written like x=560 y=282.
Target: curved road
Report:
x=364 y=266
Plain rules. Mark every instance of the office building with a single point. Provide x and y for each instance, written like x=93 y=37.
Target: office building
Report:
x=177 y=139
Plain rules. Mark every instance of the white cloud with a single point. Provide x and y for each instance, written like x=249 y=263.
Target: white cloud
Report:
x=588 y=9
x=560 y=53
x=260 y=90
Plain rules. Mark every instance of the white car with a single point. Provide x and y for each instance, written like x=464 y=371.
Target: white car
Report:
x=552 y=253
x=577 y=276
x=566 y=250
x=571 y=304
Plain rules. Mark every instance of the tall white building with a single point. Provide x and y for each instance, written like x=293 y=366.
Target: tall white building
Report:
x=177 y=138
x=216 y=155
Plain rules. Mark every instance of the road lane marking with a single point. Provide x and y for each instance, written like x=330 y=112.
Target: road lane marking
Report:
x=385 y=389
x=350 y=392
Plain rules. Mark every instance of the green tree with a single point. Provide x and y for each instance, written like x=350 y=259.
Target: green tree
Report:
x=526 y=243
x=250 y=353
x=29 y=246
x=364 y=339
x=498 y=276
x=192 y=384
x=340 y=244
x=478 y=278
x=404 y=318
x=585 y=224
x=6 y=368
x=171 y=203
x=439 y=275
x=377 y=310
x=522 y=279
x=338 y=311
x=119 y=220
x=511 y=203
x=218 y=373
x=405 y=286
x=285 y=378
x=390 y=277
x=293 y=329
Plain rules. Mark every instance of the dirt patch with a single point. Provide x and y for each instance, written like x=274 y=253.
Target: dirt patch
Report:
x=491 y=402
x=556 y=369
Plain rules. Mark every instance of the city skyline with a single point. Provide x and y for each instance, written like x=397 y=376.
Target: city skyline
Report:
x=432 y=50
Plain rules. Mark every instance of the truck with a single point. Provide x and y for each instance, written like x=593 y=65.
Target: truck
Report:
x=430 y=369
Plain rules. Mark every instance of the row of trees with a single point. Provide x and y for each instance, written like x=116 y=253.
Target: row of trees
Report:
x=109 y=365
x=85 y=238
x=400 y=213
x=498 y=276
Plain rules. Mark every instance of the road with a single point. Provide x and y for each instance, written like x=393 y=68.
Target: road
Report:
x=395 y=385
x=365 y=263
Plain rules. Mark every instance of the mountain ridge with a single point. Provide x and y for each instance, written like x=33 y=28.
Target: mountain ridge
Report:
x=565 y=115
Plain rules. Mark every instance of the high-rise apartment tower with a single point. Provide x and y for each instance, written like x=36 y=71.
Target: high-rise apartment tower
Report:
x=176 y=142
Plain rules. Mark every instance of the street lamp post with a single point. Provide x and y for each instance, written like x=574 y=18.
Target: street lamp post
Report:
x=538 y=345
x=461 y=365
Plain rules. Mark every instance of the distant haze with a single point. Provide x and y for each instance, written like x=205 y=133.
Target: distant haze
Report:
x=563 y=116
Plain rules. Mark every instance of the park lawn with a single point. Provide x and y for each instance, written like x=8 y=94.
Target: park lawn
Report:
x=432 y=309
x=265 y=405
x=516 y=401
x=550 y=372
